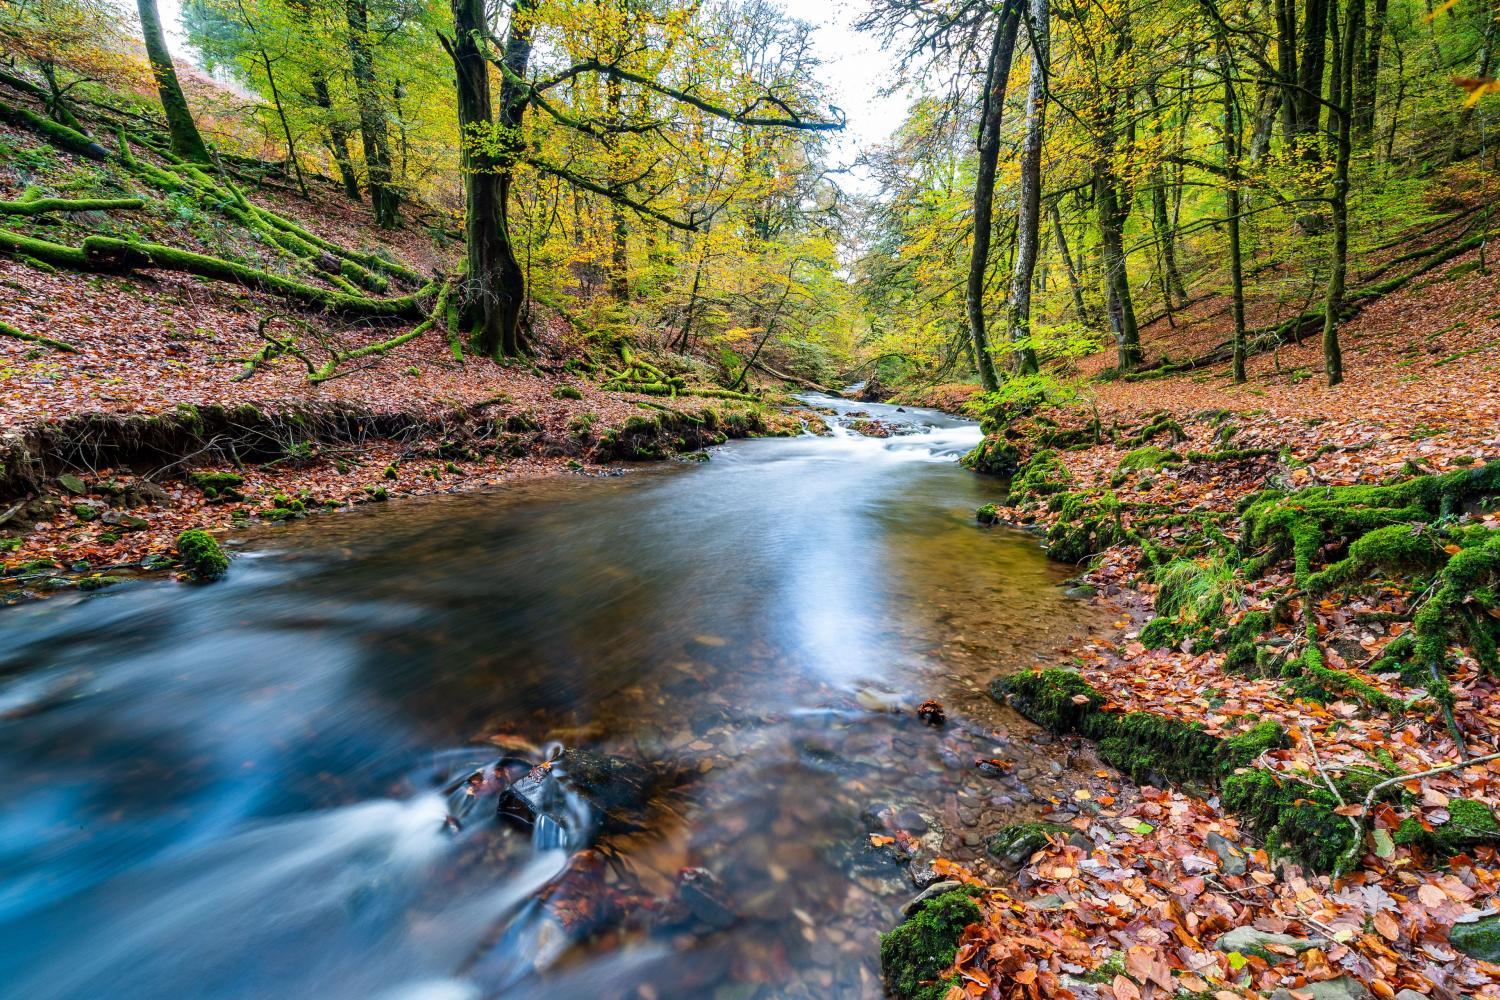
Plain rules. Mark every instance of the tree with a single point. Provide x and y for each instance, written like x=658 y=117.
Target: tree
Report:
x=997 y=74
x=186 y=142
x=1029 y=212
x=496 y=145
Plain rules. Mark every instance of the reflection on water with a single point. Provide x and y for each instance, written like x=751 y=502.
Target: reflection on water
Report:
x=239 y=790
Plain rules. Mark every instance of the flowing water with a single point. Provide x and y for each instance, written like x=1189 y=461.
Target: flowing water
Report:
x=286 y=784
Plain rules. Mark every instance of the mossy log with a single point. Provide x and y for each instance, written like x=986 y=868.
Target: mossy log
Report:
x=6 y=330
x=59 y=135
x=38 y=206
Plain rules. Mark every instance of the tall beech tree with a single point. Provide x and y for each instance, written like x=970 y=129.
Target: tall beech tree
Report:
x=186 y=142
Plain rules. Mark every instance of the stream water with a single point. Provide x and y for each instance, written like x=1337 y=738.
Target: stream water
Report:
x=285 y=785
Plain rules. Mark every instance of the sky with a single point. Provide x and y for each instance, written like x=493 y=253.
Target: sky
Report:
x=854 y=67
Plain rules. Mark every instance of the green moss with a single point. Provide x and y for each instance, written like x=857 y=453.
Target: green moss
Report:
x=1041 y=476
x=987 y=514
x=200 y=554
x=1470 y=823
x=1479 y=939
x=216 y=481
x=1018 y=841
x=993 y=456
x=1149 y=457
x=916 y=953
x=1161 y=633
x=85 y=512
x=566 y=392
x=1060 y=700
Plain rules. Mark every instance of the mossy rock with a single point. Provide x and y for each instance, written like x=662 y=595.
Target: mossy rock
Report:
x=1041 y=476
x=1470 y=823
x=217 y=481
x=1019 y=841
x=918 y=951
x=994 y=456
x=1149 y=457
x=72 y=484
x=566 y=392
x=987 y=514
x=1161 y=633
x=1059 y=700
x=1296 y=820
x=1479 y=939
x=200 y=554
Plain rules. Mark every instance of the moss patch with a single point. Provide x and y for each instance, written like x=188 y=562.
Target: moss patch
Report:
x=915 y=954
x=201 y=556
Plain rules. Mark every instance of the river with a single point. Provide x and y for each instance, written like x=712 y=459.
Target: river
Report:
x=285 y=784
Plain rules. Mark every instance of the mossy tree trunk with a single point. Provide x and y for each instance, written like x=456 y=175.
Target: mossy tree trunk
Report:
x=384 y=199
x=494 y=286
x=337 y=138
x=1333 y=359
x=186 y=142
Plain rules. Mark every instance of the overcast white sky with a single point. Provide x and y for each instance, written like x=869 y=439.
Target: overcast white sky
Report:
x=854 y=68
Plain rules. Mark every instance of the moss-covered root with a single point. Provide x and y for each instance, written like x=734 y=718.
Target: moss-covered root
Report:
x=915 y=954
x=61 y=136
x=200 y=555
x=6 y=330
x=109 y=254
x=39 y=206
x=439 y=309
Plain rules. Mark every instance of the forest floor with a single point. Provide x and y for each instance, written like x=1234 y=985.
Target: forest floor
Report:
x=1172 y=892
x=106 y=448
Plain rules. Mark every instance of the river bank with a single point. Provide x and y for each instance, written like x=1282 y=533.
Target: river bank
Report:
x=1318 y=815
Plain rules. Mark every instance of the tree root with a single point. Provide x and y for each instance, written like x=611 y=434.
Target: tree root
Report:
x=68 y=139
x=108 y=255
x=6 y=330
x=439 y=308
x=37 y=205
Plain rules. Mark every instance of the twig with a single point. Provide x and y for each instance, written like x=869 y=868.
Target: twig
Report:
x=1345 y=862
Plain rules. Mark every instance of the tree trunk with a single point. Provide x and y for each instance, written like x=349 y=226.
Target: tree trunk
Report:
x=1310 y=70
x=1028 y=221
x=1232 y=210
x=1366 y=87
x=1112 y=215
x=1333 y=360
x=494 y=290
x=186 y=142
x=1265 y=122
x=337 y=139
x=1080 y=309
x=998 y=72
x=372 y=119
x=619 y=230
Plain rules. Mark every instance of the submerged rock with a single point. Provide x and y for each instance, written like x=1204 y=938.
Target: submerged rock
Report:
x=584 y=793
